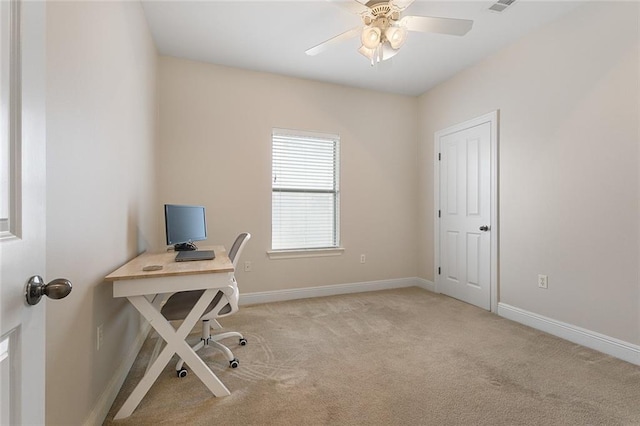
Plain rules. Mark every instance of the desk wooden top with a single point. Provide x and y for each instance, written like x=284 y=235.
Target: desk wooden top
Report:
x=133 y=269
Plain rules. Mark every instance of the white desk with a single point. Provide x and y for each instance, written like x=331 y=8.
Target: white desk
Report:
x=142 y=289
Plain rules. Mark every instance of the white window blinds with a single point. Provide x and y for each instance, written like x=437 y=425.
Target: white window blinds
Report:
x=305 y=190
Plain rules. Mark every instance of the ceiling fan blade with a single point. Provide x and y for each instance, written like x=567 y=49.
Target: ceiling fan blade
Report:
x=401 y=4
x=353 y=32
x=429 y=24
x=353 y=6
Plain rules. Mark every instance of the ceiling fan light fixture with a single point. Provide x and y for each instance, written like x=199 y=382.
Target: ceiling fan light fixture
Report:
x=380 y=53
x=374 y=55
x=366 y=52
x=388 y=52
x=396 y=36
x=370 y=37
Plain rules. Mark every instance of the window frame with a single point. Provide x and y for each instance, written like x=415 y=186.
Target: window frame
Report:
x=335 y=250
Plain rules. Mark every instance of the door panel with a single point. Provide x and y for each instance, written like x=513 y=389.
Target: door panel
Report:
x=465 y=194
x=22 y=238
x=452 y=179
x=473 y=177
x=452 y=255
x=473 y=259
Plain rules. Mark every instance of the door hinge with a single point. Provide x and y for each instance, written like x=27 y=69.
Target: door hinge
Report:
x=439 y=213
x=439 y=156
x=438 y=270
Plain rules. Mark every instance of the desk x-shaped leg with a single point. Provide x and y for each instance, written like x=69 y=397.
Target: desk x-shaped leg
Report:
x=175 y=344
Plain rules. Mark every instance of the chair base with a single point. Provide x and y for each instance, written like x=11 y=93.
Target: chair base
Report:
x=213 y=340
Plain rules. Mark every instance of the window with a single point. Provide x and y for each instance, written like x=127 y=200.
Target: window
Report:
x=305 y=190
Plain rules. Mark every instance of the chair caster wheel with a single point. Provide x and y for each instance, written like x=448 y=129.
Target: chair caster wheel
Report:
x=182 y=372
x=243 y=341
x=234 y=363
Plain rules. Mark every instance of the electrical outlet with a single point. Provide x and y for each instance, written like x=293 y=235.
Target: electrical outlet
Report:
x=99 y=337
x=247 y=266
x=543 y=281
x=363 y=258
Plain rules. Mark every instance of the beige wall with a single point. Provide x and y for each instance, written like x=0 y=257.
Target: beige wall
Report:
x=100 y=190
x=569 y=136
x=215 y=133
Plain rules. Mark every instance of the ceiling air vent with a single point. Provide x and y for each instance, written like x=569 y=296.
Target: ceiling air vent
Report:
x=501 y=5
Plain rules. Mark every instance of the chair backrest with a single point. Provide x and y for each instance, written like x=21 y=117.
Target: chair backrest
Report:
x=237 y=247
x=229 y=305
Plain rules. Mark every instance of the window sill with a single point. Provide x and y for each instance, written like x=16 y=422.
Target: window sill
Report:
x=295 y=254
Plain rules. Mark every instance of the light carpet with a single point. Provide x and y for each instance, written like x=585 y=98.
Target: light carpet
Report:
x=393 y=357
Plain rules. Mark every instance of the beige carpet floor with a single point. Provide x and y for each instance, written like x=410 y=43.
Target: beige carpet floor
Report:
x=396 y=357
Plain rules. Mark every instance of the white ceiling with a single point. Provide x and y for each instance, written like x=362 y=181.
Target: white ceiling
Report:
x=272 y=36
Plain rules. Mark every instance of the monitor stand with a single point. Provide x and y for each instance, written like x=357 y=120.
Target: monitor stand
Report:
x=185 y=247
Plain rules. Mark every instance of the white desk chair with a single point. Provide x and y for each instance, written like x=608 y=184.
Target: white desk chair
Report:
x=225 y=303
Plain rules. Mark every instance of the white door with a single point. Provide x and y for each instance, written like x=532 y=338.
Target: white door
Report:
x=22 y=210
x=465 y=206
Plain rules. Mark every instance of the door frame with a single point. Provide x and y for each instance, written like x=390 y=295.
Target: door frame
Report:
x=493 y=119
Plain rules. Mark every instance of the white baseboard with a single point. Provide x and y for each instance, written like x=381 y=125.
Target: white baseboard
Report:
x=102 y=407
x=330 y=290
x=426 y=284
x=609 y=345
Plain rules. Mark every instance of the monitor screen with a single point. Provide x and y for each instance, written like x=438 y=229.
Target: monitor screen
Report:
x=184 y=223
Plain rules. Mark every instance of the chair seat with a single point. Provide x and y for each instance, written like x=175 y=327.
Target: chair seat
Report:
x=179 y=304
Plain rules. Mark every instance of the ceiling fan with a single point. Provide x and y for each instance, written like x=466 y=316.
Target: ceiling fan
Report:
x=384 y=31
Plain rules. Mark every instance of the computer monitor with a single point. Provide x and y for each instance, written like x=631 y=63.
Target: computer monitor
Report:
x=184 y=224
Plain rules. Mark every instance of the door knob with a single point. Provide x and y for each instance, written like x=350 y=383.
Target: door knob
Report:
x=485 y=228
x=56 y=289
